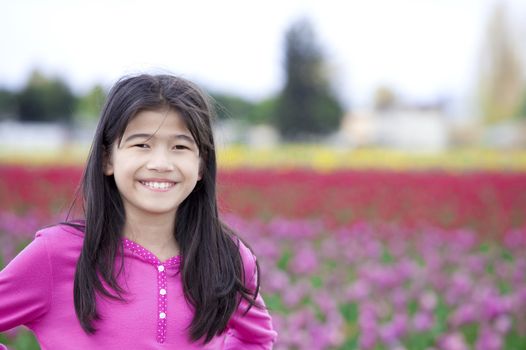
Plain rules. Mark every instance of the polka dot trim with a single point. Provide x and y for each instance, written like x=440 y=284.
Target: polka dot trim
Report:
x=162 y=291
x=161 y=304
x=148 y=256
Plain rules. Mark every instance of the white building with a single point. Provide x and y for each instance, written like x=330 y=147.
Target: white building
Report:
x=407 y=130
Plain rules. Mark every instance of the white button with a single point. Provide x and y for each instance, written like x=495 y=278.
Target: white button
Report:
x=162 y=291
x=162 y=315
x=160 y=268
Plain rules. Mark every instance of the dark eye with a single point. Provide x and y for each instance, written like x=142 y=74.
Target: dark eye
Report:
x=141 y=145
x=181 y=147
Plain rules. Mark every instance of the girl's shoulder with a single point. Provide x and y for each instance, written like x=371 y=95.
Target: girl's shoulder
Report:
x=247 y=257
x=61 y=237
x=244 y=250
x=56 y=245
x=68 y=230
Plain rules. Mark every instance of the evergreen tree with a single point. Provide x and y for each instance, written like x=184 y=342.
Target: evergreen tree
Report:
x=307 y=106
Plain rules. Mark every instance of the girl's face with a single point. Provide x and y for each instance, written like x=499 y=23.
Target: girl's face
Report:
x=157 y=164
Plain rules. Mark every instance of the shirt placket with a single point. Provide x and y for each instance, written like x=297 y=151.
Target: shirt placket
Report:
x=161 y=304
x=162 y=284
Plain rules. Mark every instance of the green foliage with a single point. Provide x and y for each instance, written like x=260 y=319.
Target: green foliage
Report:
x=470 y=332
x=88 y=107
x=274 y=303
x=7 y=103
x=284 y=260
x=45 y=99
x=50 y=99
x=263 y=111
x=349 y=312
x=316 y=282
x=419 y=341
x=235 y=107
x=350 y=344
x=24 y=340
x=442 y=313
x=387 y=258
x=307 y=106
x=412 y=307
x=514 y=340
x=231 y=107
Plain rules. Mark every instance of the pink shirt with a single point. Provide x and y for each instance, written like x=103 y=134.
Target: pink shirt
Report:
x=36 y=290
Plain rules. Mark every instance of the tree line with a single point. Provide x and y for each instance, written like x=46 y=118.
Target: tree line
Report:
x=306 y=107
x=49 y=99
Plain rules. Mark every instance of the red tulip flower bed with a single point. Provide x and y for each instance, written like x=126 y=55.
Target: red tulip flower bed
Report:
x=487 y=202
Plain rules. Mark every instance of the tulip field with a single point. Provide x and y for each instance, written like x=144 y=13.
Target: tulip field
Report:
x=351 y=258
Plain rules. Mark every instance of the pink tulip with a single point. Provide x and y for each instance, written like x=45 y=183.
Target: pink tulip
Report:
x=453 y=341
x=423 y=321
x=488 y=340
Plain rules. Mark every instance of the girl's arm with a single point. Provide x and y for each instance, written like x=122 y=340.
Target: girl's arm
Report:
x=25 y=286
x=252 y=330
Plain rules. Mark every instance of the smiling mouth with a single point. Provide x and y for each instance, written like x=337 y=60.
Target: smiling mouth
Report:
x=158 y=185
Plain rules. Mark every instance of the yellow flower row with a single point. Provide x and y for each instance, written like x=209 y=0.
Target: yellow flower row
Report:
x=326 y=158
x=319 y=157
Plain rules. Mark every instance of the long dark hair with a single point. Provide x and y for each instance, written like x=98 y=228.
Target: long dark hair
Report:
x=212 y=268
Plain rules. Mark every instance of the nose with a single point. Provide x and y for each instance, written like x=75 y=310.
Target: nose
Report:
x=160 y=161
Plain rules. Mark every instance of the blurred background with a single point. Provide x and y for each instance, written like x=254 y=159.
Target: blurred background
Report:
x=379 y=146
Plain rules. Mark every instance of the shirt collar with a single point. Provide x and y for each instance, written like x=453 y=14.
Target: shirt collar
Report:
x=147 y=256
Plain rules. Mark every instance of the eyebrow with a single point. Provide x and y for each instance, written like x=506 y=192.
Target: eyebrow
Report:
x=149 y=136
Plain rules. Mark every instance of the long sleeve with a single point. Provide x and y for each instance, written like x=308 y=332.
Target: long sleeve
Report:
x=252 y=330
x=25 y=286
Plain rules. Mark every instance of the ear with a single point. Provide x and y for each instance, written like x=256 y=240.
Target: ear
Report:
x=107 y=164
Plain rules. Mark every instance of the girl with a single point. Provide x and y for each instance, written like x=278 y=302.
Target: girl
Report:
x=151 y=266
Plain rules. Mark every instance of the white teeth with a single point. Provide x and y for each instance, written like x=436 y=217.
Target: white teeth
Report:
x=158 y=185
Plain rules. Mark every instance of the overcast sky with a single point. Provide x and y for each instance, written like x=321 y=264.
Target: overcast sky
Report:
x=423 y=48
